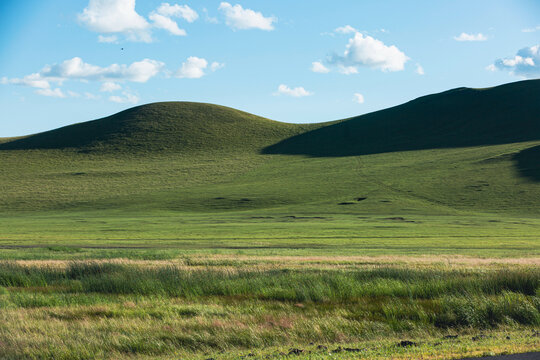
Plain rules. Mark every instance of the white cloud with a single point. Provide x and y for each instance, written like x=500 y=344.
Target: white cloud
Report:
x=530 y=30
x=73 y=94
x=367 y=51
x=126 y=98
x=116 y=16
x=347 y=70
x=161 y=17
x=419 y=69
x=192 y=68
x=113 y=39
x=295 y=92
x=318 y=67
x=51 y=92
x=526 y=63
x=347 y=29
x=179 y=11
x=358 y=98
x=166 y=23
x=239 y=18
x=33 y=80
x=216 y=66
x=470 y=37
x=110 y=86
x=77 y=69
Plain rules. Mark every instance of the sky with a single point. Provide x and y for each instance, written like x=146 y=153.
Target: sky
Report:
x=64 y=62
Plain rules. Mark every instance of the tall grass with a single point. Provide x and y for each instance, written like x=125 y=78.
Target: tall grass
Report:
x=442 y=297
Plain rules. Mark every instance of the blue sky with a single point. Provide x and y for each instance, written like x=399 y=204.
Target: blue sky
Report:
x=63 y=62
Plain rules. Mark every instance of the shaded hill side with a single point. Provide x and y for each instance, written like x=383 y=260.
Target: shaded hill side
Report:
x=528 y=163
x=456 y=118
x=168 y=126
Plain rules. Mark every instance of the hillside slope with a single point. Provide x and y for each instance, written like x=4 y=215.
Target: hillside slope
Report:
x=167 y=126
x=461 y=117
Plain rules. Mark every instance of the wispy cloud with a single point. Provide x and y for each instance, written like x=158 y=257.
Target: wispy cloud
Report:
x=125 y=98
x=318 y=67
x=294 y=92
x=470 y=37
x=530 y=30
x=347 y=29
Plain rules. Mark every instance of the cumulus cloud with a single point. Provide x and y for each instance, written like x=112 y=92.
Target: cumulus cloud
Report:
x=116 y=16
x=358 y=98
x=179 y=11
x=526 y=63
x=347 y=29
x=125 y=98
x=419 y=69
x=239 y=18
x=192 y=68
x=318 y=67
x=470 y=37
x=120 y=17
x=109 y=86
x=166 y=23
x=162 y=17
x=77 y=69
x=295 y=92
x=367 y=51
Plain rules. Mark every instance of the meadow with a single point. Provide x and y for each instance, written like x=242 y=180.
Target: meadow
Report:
x=181 y=230
x=228 y=307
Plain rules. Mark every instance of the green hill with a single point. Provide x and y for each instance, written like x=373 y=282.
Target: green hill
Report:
x=170 y=126
x=456 y=172
x=461 y=117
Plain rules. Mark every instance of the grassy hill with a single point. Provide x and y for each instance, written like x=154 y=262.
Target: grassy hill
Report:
x=168 y=126
x=461 y=117
x=456 y=171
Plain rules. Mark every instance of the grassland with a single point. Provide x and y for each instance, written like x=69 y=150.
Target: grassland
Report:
x=182 y=230
x=227 y=307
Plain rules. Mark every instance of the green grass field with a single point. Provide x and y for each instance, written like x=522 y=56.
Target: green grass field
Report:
x=219 y=233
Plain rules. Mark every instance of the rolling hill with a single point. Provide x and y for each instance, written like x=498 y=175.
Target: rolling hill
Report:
x=461 y=117
x=168 y=126
x=465 y=161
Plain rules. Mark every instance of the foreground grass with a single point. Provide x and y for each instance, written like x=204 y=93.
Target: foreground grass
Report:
x=197 y=308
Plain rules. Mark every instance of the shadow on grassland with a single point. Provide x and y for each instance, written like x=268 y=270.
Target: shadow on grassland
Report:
x=461 y=117
x=528 y=163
